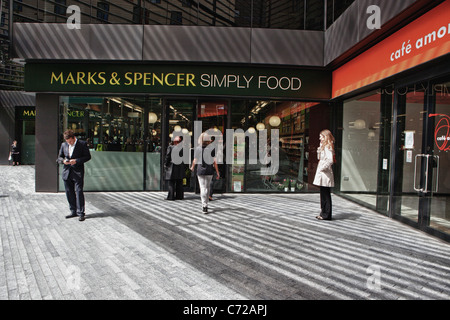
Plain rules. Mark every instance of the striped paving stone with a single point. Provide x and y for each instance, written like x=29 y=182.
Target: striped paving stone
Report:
x=136 y=245
x=273 y=247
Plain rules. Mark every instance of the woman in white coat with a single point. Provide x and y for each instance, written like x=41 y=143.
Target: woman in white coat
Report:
x=324 y=175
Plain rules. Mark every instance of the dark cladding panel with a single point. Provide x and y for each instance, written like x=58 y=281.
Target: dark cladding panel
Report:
x=46 y=143
x=116 y=42
x=389 y=9
x=204 y=44
x=343 y=34
x=224 y=44
x=290 y=47
x=50 y=41
x=169 y=43
x=352 y=28
x=56 y=41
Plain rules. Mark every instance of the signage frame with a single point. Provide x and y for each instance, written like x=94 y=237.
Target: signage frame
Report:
x=178 y=79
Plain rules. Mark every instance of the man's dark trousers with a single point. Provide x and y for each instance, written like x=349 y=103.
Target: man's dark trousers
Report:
x=74 y=193
x=73 y=175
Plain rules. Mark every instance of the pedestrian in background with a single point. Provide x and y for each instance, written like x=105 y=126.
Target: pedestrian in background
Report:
x=324 y=177
x=73 y=154
x=174 y=173
x=15 y=153
x=204 y=159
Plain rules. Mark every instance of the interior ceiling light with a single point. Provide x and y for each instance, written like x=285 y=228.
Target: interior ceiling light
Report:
x=275 y=121
x=152 y=117
x=260 y=126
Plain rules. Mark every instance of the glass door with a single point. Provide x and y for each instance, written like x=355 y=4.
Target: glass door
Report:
x=411 y=119
x=28 y=142
x=213 y=115
x=180 y=119
x=421 y=182
x=438 y=217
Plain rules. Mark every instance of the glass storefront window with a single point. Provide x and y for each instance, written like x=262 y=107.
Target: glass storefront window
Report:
x=237 y=168
x=298 y=125
x=440 y=201
x=360 y=148
x=213 y=115
x=122 y=134
x=422 y=180
x=181 y=121
x=411 y=123
x=268 y=115
x=302 y=14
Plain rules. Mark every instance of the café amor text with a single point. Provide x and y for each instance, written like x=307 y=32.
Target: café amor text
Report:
x=173 y=79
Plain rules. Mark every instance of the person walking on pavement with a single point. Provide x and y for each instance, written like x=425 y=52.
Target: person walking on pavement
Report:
x=15 y=153
x=73 y=154
x=174 y=173
x=213 y=180
x=204 y=159
x=324 y=177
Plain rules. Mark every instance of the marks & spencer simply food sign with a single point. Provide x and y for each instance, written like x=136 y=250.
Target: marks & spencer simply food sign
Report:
x=178 y=79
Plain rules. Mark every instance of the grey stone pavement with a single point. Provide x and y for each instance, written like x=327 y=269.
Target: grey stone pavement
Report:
x=136 y=245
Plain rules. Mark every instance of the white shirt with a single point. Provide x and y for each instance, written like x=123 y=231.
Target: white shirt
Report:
x=71 y=147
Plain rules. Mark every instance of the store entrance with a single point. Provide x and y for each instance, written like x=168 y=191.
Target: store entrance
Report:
x=422 y=181
x=210 y=114
x=25 y=131
x=28 y=141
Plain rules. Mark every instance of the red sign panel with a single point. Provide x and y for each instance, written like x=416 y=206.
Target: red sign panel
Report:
x=423 y=40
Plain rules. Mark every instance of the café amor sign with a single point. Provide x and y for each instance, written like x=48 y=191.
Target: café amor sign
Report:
x=178 y=79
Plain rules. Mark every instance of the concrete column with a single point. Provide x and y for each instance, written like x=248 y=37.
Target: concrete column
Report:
x=47 y=142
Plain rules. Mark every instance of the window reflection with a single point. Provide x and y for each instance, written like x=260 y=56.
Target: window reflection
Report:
x=279 y=14
x=299 y=124
x=440 y=204
x=123 y=133
x=360 y=148
x=114 y=123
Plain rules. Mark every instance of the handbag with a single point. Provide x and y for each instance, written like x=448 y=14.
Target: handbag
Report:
x=10 y=157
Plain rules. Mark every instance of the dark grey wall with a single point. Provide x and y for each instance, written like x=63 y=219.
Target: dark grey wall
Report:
x=7 y=125
x=46 y=142
x=351 y=27
x=202 y=43
x=168 y=43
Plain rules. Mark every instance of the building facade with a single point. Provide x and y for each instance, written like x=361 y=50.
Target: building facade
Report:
x=137 y=72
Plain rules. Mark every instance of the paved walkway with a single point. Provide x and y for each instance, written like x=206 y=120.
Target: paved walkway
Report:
x=136 y=245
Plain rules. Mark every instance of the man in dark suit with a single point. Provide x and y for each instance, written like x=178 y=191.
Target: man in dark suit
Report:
x=73 y=154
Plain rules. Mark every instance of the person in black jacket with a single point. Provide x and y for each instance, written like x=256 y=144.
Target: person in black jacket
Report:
x=73 y=154
x=15 y=153
x=174 y=173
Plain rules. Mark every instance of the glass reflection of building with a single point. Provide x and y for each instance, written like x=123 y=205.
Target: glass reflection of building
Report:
x=275 y=14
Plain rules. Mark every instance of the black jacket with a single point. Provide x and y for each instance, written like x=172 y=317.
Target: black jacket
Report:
x=80 y=153
x=173 y=171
